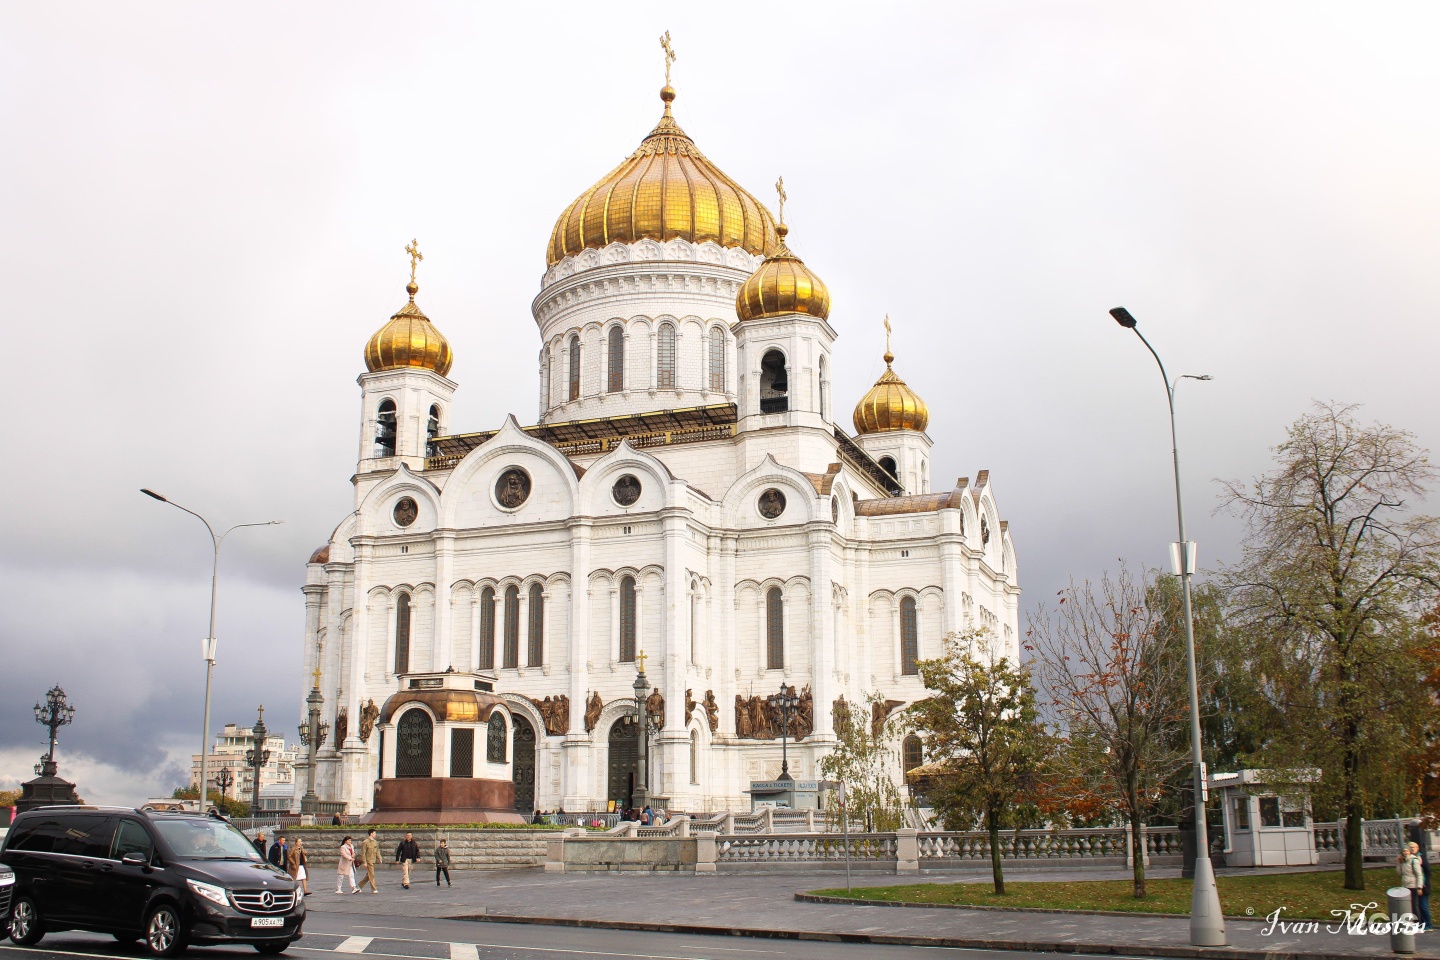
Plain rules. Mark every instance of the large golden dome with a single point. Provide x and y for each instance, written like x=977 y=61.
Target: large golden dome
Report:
x=409 y=339
x=890 y=404
x=782 y=285
x=665 y=190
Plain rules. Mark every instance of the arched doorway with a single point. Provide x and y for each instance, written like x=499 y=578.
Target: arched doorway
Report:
x=624 y=761
x=414 y=736
x=522 y=764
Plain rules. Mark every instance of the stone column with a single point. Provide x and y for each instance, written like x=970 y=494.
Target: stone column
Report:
x=822 y=627
x=575 y=751
x=440 y=650
x=951 y=573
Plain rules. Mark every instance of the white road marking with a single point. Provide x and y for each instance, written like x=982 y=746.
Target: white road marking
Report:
x=461 y=951
x=354 y=945
x=361 y=926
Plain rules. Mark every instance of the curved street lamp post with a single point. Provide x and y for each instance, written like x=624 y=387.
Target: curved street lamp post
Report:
x=1207 y=924
x=784 y=703
x=54 y=713
x=256 y=758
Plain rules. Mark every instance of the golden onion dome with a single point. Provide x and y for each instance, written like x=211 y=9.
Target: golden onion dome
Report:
x=665 y=190
x=409 y=339
x=890 y=404
x=782 y=285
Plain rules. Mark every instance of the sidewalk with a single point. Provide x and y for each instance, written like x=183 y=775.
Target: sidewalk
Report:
x=765 y=906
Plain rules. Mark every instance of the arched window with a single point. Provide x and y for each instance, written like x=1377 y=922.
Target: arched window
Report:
x=616 y=382
x=487 y=628
x=385 y=429
x=627 y=619
x=912 y=753
x=432 y=429
x=495 y=739
x=774 y=630
x=402 y=633
x=512 y=626
x=574 y=367
x=665 y=357
x=909 y=637
x=717 y=360
x=414 y=735
x=892 y=482
x=535 y=656
x=774 y=384
x=694 y=756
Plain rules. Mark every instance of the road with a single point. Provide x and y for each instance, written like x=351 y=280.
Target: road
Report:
x=410 y=938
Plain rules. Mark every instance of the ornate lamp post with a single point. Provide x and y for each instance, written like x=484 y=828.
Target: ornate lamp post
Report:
x=784 y=703
x=224 y=779
x=641 y=798
x=53 y=713
x=256 y=758
x=322 y=732
x=1207 y=924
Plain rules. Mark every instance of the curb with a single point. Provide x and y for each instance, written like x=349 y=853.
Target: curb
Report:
x=858 y=902
x=1034 y=946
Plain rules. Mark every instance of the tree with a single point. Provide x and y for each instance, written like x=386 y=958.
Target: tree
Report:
x=1335 y=572
x=1117 y=688
x=981 y=728
x=227 y=806
x=863 y=759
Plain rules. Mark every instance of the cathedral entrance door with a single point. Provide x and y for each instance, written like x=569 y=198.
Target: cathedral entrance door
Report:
x=522 y=756
x=624 y=763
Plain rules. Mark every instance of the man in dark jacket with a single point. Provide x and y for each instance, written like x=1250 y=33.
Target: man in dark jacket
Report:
x=279 y=852
x=406 y=854
x=442 y=863
x=261 y=847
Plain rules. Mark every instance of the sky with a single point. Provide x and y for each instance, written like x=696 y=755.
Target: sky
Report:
x=203 y=210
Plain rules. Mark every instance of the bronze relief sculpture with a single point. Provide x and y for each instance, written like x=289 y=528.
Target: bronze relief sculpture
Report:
x=593 y=706
x=513 y=488
x=712 y=711
x=368 y=715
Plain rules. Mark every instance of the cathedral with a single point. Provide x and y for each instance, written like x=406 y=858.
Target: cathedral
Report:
x=687 y=503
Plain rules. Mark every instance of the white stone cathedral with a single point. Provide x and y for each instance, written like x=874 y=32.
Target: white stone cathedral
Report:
x=687 y=492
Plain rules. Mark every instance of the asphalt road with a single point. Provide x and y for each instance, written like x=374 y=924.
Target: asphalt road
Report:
x=412 y=938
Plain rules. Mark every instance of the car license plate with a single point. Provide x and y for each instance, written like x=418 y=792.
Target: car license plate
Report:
x=267 y=921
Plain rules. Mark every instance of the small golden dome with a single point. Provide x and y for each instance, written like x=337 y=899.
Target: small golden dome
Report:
x=409 y=340
x=665 y=190
x=782 y=285
x=890 y=404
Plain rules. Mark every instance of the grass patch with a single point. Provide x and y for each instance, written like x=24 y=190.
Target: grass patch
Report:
x=1303 y=895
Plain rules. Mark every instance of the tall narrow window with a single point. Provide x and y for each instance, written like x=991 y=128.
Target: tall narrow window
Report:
x=495 y=739
x=909 y=637
x=616 y=360
x=774 y=383
x=774 y=629
x=575 y=367
x=487 y=628
x=665 y=357
x=432 y=429
x=512 y=626
x=462 y=754
x=627 y=619
x=717 y=360
x=402 y=633
x=385 y=429
x=535 y=656
x=912 y=753
x=824 y=391
x=545 y=399
x=694 y=756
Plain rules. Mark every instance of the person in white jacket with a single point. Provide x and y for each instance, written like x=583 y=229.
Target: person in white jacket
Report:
x=1412 y=875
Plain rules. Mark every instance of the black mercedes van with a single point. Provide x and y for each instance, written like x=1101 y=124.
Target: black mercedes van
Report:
x=171 y=879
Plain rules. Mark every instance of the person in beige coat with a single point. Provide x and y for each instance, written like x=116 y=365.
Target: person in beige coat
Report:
x=370 y=859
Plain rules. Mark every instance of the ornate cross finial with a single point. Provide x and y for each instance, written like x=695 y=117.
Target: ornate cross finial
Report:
x=780 y=189
x=640 y=658
x=413 y=248
x=316 y=675
x=261 y=718
x=669 y=55
x=888 y=355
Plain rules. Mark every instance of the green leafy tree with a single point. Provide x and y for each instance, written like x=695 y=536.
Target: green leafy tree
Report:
x=864 y=760
x=226 y=805
x=9 y=797
x=983 y=734
x=1336 y=573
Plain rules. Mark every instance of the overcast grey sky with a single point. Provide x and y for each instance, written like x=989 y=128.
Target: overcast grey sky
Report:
x=203 y=210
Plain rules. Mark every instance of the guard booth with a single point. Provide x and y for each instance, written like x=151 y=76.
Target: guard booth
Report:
x=785 y=794
x=1267 y=823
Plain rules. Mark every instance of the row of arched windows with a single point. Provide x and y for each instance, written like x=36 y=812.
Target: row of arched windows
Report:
x=535 y=634
x=666 y=361
x=387 y=429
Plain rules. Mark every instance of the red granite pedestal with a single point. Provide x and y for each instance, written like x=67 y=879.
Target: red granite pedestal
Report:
x=443 y=800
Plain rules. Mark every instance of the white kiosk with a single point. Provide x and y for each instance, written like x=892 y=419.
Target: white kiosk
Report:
x=1265 y=827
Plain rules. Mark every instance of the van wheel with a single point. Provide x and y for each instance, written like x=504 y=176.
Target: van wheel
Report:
x=164 y=933
x=272 y=949
x=25 y=926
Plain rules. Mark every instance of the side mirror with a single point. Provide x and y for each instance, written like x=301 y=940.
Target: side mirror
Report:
x=135 y=859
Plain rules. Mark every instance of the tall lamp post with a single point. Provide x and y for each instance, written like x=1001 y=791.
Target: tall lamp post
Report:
x=224 y=780
x=313 y=734
x=208 y=644
x=784 y=703
x=54 y=713
x=641 y=797
x=1207 y=924
x=256 y=758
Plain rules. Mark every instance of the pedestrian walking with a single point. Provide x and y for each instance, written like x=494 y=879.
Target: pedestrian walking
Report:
x=280 y=852
x=370 y=859
x=1412 y=875
x=345 y=868
x=297 y=865
x=407 y=854
x=442 y=863
x=261 y=847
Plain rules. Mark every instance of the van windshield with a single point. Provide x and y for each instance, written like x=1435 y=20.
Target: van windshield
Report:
x=205 y=840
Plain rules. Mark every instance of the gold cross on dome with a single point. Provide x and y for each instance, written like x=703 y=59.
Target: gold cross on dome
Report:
x=780 y=189
x=889 y=355
x=669 y=55
x=413 y=248
x=640 y=658
x=316 y=675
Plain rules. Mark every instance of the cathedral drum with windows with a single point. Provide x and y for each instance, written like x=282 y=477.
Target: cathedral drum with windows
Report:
x=686 y=498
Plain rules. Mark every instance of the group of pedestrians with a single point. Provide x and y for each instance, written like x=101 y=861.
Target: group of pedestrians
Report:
x=1414 y=869
x=407 y=854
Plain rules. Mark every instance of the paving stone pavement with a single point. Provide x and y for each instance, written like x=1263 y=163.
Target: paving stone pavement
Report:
x=762 y=905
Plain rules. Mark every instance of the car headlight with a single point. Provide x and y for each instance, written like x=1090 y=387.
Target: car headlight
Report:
x=210 y=892
x=299 y=893
x=6 y=879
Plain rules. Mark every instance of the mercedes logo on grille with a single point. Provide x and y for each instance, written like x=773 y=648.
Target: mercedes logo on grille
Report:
x=267 y=899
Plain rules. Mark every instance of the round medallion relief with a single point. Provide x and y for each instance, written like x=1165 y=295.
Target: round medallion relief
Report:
x=513 y=488
x=772 y=504
x=626 y=490
x=405 y=512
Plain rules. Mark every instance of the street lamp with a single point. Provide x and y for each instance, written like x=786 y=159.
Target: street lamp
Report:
x=1207 y=924
x=641 y=798
x=322 y=732
x=54 y=713
x=256 y=758
x=224 y=779
x=208 y=644
x=784 y=703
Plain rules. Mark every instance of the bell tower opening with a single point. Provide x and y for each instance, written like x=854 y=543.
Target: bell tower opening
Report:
x=386 y=428
x=774 y=384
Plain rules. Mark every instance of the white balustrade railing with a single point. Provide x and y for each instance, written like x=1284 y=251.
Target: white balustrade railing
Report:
x=676 y=827
x=804 y=848
x=1085 y=844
